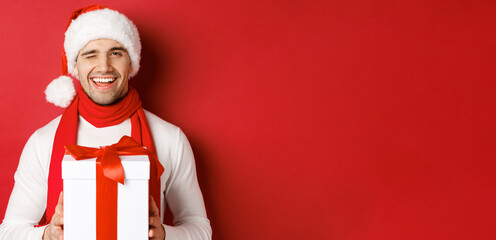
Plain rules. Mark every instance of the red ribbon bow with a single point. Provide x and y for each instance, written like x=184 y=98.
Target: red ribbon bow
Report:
x=108 y=156
x=109 y=172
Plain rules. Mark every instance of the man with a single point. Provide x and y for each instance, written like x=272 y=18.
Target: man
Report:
x=102 y=50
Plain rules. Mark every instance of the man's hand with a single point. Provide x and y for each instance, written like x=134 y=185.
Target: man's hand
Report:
x=156 y=229
x=55 y=230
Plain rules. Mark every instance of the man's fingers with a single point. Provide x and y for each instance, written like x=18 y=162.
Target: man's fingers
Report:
x=153 y=207
x=55 y=230
x=58 y=221
x=58 y=216
x=60 y=204
x=152 y=234
x=153 y=222
x=61 y=200
x=60 y=235
x=156 y=230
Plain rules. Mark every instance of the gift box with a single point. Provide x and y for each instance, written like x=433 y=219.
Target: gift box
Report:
x=80 y=199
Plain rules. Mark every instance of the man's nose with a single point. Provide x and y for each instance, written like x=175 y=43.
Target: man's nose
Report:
x=104 y=64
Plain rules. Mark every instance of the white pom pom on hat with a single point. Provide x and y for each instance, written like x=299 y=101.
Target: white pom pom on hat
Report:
x=86 y=24
x=61 y=91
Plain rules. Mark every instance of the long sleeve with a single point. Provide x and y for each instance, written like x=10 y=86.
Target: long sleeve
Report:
x=180 y=185
x=184 y=197
x=28 y=199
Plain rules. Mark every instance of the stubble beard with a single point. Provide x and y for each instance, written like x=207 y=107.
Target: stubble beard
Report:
x=104 y=98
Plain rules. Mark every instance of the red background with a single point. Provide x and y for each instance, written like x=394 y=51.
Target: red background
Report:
x=309 y=119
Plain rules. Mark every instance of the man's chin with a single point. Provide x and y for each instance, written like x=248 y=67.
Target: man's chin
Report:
x=103 y=100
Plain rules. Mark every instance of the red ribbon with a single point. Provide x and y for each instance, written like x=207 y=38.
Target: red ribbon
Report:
x=109 y=172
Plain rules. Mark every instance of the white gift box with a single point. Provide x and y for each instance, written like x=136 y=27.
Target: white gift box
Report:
x=80 y=198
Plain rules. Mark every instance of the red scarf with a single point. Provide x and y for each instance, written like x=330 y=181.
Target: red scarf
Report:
x=100 y=116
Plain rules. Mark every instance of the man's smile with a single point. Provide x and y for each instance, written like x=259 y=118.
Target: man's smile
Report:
x=103 y=82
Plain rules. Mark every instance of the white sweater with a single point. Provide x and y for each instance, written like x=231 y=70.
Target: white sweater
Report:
x=180 y=188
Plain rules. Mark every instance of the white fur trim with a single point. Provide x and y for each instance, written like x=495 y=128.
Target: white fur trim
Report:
x=60 y=91
x=98 y=24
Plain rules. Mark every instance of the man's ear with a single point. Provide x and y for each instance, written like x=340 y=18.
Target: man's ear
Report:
x=75 y=71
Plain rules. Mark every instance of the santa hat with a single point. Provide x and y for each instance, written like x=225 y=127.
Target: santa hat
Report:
x=87 y=24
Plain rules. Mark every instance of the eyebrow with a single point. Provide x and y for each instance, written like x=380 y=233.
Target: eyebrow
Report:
x=88 y=52
x=118 y=48
x=112 y=49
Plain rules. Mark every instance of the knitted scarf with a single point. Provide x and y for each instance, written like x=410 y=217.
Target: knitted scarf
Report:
x=100 y=116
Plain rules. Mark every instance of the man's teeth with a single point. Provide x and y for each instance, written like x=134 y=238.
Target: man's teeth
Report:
x=104 y=80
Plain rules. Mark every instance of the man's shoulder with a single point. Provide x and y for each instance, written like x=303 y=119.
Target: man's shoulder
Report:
x=158 y=124
x=50 y=128
x=45 y=135
x=164 y=133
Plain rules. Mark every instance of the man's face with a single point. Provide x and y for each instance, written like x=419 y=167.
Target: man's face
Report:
x=103 y=68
